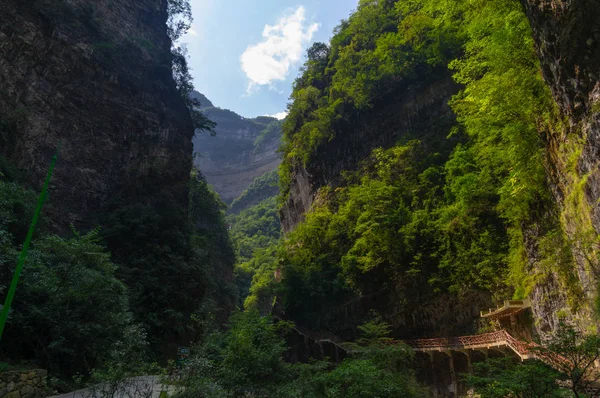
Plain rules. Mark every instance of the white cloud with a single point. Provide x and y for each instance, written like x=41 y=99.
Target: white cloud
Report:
x=192 y=34
x=281 y=48
x=279 y=115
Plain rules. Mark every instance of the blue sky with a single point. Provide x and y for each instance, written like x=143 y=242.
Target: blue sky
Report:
x=245 y=54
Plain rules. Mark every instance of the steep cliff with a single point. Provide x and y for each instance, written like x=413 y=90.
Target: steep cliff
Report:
x=97 y=78
x=413 y=308
x=242 y=150
x=567 y=36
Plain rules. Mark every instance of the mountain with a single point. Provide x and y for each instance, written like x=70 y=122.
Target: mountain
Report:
x=98 y=79
x=439 y=160
x=241 y=151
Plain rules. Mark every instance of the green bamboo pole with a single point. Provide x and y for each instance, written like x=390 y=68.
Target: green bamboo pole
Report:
x=23 y=255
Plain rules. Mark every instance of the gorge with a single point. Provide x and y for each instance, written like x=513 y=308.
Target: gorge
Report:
x=438 y=158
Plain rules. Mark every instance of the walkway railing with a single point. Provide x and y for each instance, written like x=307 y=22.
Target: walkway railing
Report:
x=500 y=338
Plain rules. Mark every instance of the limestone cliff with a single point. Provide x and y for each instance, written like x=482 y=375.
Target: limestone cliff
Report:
x=95 y=76
x=567 y=36
x=242 y=150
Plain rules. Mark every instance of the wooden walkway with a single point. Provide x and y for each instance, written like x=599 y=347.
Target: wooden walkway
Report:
x=485 y=341
x=476 y=342
x=510 y=307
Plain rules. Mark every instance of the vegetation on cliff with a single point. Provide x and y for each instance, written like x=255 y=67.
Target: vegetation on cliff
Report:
x=153 y=274
x=447 y=214
x=462 y=209
x=72 y=305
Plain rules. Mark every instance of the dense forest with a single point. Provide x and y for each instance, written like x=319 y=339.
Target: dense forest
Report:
x=437 y=159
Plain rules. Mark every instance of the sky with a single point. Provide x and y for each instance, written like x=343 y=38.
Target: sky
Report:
x=245 y=54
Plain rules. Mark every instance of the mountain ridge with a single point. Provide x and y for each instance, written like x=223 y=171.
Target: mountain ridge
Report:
x=241 y=151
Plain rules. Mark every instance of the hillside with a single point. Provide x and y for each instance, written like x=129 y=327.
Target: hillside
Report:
x=440 y=179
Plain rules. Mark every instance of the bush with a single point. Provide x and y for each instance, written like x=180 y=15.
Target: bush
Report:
x=69 y=308
x=247 y=361
x=503 y=377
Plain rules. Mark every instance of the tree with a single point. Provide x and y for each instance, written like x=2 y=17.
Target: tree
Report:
x=374 y=369
x=574 y=355
x=247 y=360
x=503 y=377
x=178 y=23
x=70 y=307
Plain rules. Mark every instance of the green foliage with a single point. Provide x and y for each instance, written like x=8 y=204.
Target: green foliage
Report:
x=16 y=208
x=362 y=378
x=174 y=263
x=126 y=368
x=255 y=228
x=256 y=279
x=178 y=23
x=577 y=353
x=425 y=216
x=394 y=221
x=212 y=248
x=572 y=355
x=372 y=56
x=255 y=233
x=69 y=307
x=180 y=18
x=272 y=133
x=503 y=377
x=375 y=330
x=247 y=361
x=260 y=189
x=184 y=82
x=504 y=105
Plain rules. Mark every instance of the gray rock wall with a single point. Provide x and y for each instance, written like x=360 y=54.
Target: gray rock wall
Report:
x=95 y=76
x=567 y=37
x=232 y=159
x=24 y=384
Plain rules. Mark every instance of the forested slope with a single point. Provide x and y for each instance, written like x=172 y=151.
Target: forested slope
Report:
x=419 y=174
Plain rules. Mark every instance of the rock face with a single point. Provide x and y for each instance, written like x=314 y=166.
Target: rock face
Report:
x=95 y=76
x=24 y=384
x=415 y=113
x=567 y=36
x=242 y=150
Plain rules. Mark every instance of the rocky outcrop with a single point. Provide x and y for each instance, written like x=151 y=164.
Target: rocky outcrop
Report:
x=96 y=77
x=24 y=384
x=567 y=37
x=242 y=150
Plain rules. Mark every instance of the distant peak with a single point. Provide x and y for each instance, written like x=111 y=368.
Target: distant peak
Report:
x=204 y=102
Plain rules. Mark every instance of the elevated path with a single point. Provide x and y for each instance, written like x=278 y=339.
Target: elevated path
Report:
x=510 y=307
x=484 y=341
